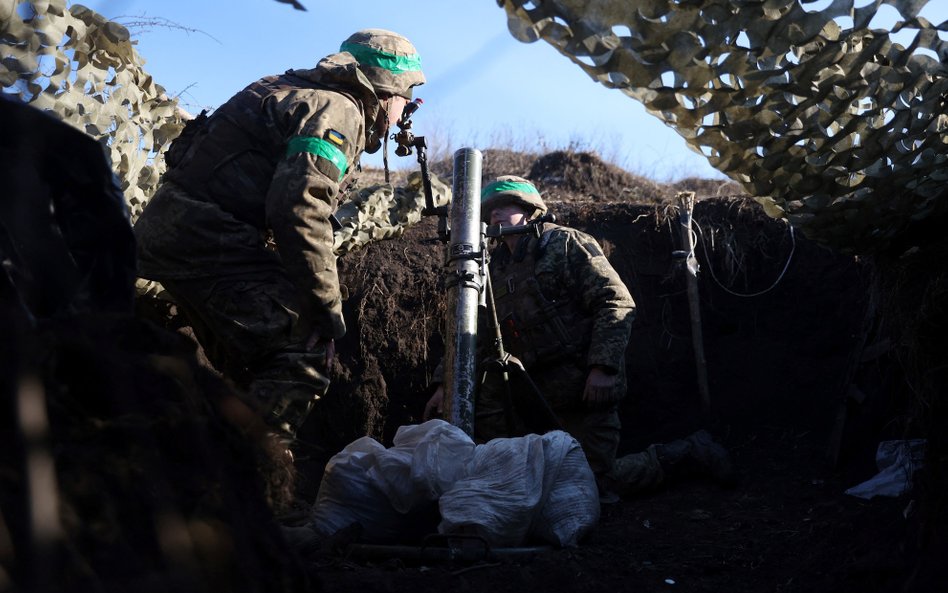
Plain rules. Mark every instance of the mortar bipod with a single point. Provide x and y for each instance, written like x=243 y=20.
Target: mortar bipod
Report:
x=523 y=400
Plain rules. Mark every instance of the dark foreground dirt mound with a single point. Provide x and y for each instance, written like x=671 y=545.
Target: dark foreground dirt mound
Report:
x=112 y=426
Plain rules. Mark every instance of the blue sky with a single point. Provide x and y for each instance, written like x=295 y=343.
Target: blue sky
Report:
x=484 y=88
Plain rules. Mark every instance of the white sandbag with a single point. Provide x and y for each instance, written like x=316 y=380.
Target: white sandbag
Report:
x=897 y=462
x=501 y=493
x=348 y=495
x=506 y=490
x=423 y=462
x=390 y=472
x=570 y=509
x=441 y=456
x=390 y=491
x=535 y=486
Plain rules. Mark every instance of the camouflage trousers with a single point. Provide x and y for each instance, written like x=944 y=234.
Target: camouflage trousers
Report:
x=251 y=330
x=596 y=431
x=636 y=472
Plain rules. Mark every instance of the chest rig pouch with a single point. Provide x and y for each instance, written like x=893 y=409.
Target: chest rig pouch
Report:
x=542 y=323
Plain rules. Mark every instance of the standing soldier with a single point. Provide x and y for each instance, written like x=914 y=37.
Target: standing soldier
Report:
x=565 y=314
x=270 y=162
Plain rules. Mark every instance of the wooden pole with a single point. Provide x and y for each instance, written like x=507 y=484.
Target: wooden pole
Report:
x=686 y=203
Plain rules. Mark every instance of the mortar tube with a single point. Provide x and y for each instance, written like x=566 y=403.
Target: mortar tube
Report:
x=464 y=284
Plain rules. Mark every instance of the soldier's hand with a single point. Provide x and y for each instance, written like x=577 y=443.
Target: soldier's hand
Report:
x=330 y=352
x=329 y=344
x=600 y=391
x=435 y=406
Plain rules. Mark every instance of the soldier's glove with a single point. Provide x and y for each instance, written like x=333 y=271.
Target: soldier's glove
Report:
x=435 y=406
x=600 y=392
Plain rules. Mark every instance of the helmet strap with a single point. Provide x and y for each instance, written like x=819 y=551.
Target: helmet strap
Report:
x=385 y=155
x=381 y=129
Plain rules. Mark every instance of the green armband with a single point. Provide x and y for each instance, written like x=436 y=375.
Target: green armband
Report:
x=322 y=149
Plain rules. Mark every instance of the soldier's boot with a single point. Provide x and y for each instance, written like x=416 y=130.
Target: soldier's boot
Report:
x=284 y=406
x=288 y=413
x=696 y=455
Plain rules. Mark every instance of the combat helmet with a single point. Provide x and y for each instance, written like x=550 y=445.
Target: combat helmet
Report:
x=510 y=189
x=387 y=59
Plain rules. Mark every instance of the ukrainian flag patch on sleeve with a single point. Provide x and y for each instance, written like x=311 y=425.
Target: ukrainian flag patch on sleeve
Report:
x=335 y=137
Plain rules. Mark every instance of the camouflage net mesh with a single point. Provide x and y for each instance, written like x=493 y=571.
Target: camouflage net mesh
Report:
x=382 y=212
x=84 y=69
x=818 y=113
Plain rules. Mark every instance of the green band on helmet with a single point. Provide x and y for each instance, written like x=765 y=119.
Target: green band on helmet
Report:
x=502 y=186
x=368 y=56
x=321 y=148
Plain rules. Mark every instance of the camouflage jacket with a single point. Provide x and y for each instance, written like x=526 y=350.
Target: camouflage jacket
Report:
x=270 y=159
x=561 y=304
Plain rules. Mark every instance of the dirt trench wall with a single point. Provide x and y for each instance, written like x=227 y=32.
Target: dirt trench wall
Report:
x=910 y=341
x=775 y=359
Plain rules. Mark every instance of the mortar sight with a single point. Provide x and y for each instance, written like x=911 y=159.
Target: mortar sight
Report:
x=405 y=139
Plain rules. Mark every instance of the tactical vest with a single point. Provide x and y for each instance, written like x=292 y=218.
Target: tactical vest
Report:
x=230 y=159
x=541 y=322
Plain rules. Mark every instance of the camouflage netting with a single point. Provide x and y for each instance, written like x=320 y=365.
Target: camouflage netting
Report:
x=83 y=68
x=372 y=213
x=383 y=212
x=818 y=113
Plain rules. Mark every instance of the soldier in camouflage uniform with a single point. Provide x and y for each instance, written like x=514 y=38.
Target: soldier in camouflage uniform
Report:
x=270 y=161
x=565 y=314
